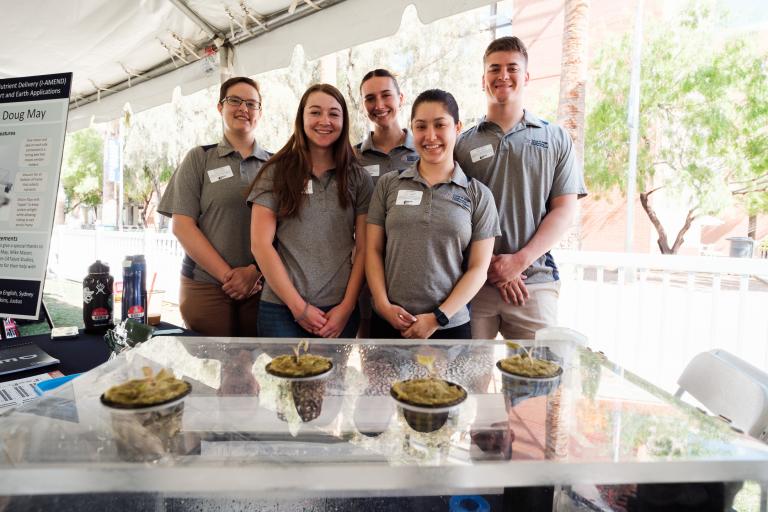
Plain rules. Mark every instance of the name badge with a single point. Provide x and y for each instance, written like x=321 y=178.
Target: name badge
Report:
x=219 y=174
x=373 y=170
x=481 y=153
x=408 y=197
x=308 y=188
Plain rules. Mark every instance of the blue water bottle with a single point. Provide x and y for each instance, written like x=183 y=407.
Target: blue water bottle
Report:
x=135 y=288
x=137 y=310
x=127 y=287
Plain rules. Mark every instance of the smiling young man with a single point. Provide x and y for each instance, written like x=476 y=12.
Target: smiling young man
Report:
x=530 y=166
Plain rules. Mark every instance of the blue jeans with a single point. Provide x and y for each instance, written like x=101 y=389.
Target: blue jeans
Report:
x=276 y=321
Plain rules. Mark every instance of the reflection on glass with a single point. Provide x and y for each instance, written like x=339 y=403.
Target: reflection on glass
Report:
x=238 y=415
x=302 y=397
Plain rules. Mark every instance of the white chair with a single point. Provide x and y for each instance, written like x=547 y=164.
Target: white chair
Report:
x=734 y=390
x=730 y=388
x=725 y=385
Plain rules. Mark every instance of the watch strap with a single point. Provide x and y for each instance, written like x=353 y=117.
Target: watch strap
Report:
x=442 y=320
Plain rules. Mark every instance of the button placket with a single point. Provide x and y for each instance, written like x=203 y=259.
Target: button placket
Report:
x=322 y=198
x=428 y=206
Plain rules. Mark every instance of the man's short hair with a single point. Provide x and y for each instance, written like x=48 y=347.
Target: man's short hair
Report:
x=507 y=44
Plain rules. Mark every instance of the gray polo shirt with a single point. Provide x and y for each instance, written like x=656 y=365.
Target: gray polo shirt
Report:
x=524 y=168
x=316 y=246
x=377 y=163
x=428 y=233
x=209 y=186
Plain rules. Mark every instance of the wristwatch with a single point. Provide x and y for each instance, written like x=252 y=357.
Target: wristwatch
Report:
x=442 y=320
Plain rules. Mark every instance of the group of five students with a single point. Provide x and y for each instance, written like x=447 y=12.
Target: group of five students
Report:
x=412 y=213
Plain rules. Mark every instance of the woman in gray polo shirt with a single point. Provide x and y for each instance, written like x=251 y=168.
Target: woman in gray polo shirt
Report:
x=430 y=234
x=311 y=199
x=387 y=148
x=219 y=280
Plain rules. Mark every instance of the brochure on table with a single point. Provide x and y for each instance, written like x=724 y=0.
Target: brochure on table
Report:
x=33 y=120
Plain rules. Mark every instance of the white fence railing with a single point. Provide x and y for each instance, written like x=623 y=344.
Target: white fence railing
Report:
x=649 y=313
x=653 y=313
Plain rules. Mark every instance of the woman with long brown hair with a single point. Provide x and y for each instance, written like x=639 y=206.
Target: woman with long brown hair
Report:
x=308 y=215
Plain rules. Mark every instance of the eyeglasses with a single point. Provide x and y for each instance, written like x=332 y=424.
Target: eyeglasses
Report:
x=234 y=101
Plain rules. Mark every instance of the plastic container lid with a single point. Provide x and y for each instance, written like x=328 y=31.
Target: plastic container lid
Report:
x=468 y=503
x=98 y=268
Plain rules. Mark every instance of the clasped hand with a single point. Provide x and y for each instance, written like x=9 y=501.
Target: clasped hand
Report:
x=326 y=325
x=506 y=273
x=413 y=327
x=242 y=282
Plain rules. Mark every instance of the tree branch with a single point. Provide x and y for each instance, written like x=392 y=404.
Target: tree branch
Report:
x=743 y=192
x=662 y=240
x=752 y=180
x=680 y=234
x=652 y=191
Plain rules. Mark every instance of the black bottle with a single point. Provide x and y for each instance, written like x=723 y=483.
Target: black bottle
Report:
x=97 y=299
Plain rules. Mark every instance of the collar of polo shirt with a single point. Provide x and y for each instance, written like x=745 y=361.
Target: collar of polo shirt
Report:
x=367 y=144
x=529 y=119
x=225 y=148
x=457 y=177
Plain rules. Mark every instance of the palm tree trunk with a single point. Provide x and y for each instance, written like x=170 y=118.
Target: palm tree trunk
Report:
x=573 y=75
x=573 y=78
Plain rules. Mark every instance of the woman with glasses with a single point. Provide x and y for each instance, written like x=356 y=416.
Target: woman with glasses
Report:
x=311 y=199
x=219 y=278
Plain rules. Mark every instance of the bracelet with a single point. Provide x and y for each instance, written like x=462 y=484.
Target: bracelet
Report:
x=303 y=314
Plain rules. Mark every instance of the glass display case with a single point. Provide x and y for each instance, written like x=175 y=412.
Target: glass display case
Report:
x=242 y=432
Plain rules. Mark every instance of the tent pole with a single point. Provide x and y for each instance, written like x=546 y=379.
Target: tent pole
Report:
x=225 y=62
x=633 y=120
x=197 y=20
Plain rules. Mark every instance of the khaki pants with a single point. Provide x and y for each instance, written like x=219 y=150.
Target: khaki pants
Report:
x=207 y=310
x=491 y=315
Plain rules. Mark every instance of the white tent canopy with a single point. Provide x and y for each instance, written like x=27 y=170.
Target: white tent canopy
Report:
x=138 y=51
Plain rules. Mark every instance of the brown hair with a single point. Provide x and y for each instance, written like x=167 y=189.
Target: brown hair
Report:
x=293 y=163
x=237 y=80
x=379 y=72
x=507 y=44
x=445 y=98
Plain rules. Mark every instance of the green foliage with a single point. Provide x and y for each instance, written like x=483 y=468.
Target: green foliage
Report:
x=83 y=169
x=157 y=139
x=420 y=64
x=703 y=116
x=281 y=91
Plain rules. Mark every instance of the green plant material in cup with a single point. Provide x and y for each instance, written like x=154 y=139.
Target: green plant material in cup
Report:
x=304 y=384
x=429 y=392
x=299 y=365
x=147 y=415
x=148 y=391
x=305 y=365
x=527 y=366
x=427 y=403
x=523 y=377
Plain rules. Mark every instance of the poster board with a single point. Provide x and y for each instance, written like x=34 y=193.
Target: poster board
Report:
x=33 y=121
